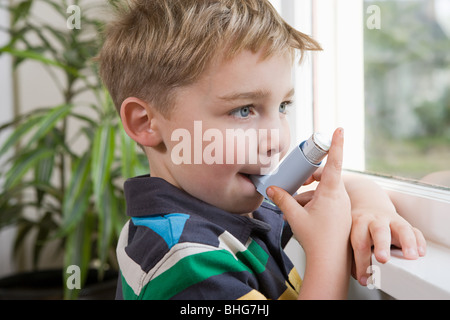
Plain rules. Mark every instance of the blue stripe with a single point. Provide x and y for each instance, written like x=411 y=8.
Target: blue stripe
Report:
x=169 y=227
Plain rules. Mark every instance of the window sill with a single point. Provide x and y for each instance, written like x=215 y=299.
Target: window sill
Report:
x=425 y=278
x=424 y=207
x=428 y=209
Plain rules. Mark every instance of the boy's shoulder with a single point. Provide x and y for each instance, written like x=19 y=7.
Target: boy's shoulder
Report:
x=173 y=233
x=156 y=204
x=156 y=235
x=163 y=216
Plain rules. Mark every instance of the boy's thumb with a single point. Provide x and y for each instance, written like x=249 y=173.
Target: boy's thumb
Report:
x=284 y=201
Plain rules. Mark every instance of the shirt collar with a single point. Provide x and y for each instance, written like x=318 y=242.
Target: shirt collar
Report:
x=146 y=196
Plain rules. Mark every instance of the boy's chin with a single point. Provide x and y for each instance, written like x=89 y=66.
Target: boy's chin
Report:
x=247 y=205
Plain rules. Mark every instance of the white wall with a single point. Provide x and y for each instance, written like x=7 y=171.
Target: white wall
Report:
x=6 y=114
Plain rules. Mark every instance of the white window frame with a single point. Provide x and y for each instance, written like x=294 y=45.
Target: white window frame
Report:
x=330 y=94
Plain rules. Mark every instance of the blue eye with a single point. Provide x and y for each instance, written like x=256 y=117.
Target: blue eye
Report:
x=284 y=106
x=243 y=112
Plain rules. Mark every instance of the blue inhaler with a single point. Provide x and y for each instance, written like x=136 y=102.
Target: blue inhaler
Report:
x=297 y=167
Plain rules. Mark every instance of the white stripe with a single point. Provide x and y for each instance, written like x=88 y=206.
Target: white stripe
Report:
x=137 y=278
x=128 y=267
x=228 y=242
x=182 y=250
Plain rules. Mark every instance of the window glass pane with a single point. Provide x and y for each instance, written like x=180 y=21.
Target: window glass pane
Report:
x=407 y=88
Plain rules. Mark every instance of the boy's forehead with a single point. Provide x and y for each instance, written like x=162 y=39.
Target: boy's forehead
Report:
x=248 y=65
x=245 y=78
x=252 y=76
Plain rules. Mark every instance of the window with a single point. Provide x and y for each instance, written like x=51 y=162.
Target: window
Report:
x=384 y=76
x=407 y=88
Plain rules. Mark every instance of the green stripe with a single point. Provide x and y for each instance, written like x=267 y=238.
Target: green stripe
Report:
x=189 y=271
x=255 y=257
x=196 y=268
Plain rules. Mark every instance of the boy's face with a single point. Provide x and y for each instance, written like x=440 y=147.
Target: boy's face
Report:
x=244 y=99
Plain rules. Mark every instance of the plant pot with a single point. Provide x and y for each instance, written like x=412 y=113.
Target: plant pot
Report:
x=48 y=285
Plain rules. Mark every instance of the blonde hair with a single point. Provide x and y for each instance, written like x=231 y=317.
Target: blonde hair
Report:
x=156 y=46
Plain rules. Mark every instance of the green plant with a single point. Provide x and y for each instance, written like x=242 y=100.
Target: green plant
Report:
x=75 y=194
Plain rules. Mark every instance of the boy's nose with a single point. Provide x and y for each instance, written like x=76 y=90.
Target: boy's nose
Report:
x=273 y=143
x=269 y=142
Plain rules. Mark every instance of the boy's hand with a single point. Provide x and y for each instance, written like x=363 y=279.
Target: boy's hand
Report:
x=325 y=220
x=322 y=227
x=375 y=224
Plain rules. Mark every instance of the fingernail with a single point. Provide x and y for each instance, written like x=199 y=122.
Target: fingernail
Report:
x=411 y=253
x=363 y=281
x=270 y=192
x=421 y=251
x=383 y=255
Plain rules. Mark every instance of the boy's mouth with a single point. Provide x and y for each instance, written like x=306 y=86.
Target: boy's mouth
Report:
x=245 y=176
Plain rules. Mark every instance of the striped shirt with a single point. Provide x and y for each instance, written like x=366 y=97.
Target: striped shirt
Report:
x=178 y=247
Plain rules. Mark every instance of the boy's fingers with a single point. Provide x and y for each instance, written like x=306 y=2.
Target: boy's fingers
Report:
x=421 y=242
x=361 y=243
x=331 y=175
x=317 y=175
x=408 y=238
x=381 y=237
x=305 y=197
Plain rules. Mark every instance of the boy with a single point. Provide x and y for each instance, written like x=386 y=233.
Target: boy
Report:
x=179 y=69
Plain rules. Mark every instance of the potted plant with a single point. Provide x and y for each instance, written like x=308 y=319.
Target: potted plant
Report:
x=75 y=194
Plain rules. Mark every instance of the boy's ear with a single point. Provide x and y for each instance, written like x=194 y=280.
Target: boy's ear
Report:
x=139 y=122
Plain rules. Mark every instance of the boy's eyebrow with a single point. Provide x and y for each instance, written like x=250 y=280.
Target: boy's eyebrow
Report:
x=252 y=95
x=290 y=94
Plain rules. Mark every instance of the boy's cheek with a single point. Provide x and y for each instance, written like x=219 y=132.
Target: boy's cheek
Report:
x=261 y=156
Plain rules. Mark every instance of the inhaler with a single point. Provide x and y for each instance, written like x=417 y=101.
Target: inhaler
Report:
x=297 y=167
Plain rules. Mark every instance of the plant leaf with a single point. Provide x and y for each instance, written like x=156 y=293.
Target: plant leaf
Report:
x=9 y=214
x=49 y=122
x=44 y=228
x=108 y=209
x=33 y=55
x=102 y=159
x=21 y=11
x=24 y=163
x=19 y=132
x=78 y=253
x=128 y=156
x=24 y=228
x=44 y=168
x=77 y=196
